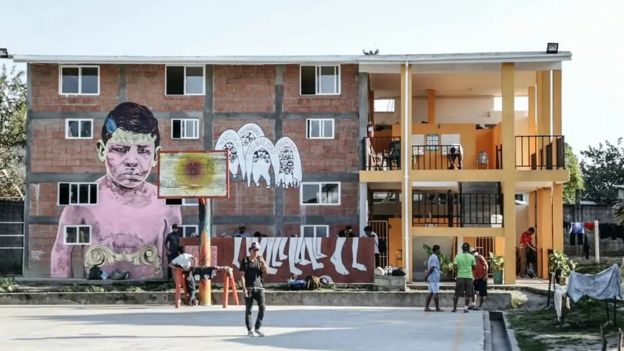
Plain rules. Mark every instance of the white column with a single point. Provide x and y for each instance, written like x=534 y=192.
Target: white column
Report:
x=363 y=206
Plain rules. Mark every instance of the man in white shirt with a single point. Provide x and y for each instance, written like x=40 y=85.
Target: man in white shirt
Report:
x=185 y=261
x=433 y=279
x=368 y=232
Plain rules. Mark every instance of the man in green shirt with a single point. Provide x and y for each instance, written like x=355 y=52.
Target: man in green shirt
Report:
x=465 y=262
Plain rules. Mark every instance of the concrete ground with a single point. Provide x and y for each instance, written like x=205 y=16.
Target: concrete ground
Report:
x=78 y=327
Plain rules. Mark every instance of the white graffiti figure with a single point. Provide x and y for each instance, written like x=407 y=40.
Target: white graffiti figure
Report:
x=256 y=157
x=230 y=141
x=259 y=159
x=288 y=170
x=248 y=133
x=336 y=258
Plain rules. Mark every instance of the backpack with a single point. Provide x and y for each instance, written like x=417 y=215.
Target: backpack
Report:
x=313 y=282
x=95 y=273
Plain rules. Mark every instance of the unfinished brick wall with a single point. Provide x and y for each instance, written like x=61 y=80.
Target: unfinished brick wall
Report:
x=347 y=101
x=246 y=201
x=145 y=84
x=347 y=207
x=244 y=88
x=45 y=90
x=326 y=155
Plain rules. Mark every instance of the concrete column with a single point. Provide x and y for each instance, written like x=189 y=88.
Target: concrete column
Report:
x=544 y=120
x=363 y=208
x=509 y=171
x=556 y=101
x=544 y=230
x=557 y=217
x=406 y=186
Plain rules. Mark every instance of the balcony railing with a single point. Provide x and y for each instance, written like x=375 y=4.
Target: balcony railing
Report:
x=457 y=210
x=540 y=152
x=436 y=157
x=382 y=153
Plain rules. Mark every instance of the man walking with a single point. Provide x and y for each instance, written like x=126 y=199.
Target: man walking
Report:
x=172 y=245
x=480 y=272
x=465 y=262
x=433 y=279
x=252 y=268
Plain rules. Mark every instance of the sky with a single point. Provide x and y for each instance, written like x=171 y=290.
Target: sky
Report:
x=593 y=82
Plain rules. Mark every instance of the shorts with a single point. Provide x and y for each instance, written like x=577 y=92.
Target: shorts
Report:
x=464 y=287
x=434 y=287
x=480 y=286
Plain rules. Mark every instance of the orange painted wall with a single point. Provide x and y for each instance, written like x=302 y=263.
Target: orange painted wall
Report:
x=467 y=132
x=395 y=243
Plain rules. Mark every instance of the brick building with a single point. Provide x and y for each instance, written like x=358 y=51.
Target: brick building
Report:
x=301 y=160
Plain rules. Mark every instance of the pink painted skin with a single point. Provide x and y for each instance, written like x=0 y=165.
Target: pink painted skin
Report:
x=128 y=214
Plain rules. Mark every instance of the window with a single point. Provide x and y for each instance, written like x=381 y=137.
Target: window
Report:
x=77 y=193
x=384 y=105
x=184 y=128
x=184 y=80
x=319 y=194
x=432 y=141
x=78 y=129
x=319 y=128
x=181 y=202
x=189 y=230
x=77 y=234
x=320 y=80
x=315 y=231
x=79 y=80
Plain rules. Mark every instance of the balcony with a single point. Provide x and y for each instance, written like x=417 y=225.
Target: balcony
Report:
x=437 y=157
x=382 y=154
x=540 y=152
x=457 y=210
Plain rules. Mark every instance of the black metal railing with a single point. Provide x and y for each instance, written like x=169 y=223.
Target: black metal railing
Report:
x=457 y=210
x=435 y=157
x=481 y=209
x=540 y=152
x=436 y=209
x=382 y=153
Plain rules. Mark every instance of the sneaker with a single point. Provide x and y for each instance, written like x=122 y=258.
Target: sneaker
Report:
x=259 y=333
x=466 y=311
x=250 y=333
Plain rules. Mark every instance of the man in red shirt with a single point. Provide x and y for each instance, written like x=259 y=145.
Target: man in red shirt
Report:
x=527 y=250
x=480 y=272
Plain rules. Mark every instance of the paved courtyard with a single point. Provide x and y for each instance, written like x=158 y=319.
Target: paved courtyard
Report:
x=287 y=328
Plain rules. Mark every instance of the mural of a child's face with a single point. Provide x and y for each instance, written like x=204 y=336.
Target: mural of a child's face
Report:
x=129 y=157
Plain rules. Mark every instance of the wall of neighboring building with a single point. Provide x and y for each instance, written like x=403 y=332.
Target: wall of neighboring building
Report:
x=266 y=96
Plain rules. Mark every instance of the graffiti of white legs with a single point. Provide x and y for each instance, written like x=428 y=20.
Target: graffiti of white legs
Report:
x=268 y=243
x=237 y=246
x=317 y=245
x=336 y=258
x=277 y=242
x=292 y=250
x=302 y=251
x=311 y=247
x=354 y=250
x=282 y=249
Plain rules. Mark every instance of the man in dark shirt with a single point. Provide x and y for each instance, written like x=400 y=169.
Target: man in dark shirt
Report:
x=346 y=233
x=172 y=244
x=252 y=267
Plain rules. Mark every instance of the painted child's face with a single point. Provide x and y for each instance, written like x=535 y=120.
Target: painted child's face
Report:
x=129 y=157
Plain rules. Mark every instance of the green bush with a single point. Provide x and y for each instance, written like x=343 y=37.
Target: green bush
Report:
x=7 y=285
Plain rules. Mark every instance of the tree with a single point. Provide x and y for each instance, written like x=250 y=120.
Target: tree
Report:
x=12 y=133
x=602 y=168
x=576 y=178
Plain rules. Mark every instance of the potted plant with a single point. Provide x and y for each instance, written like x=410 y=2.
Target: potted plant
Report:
x=498 y=263
x=560 y=264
